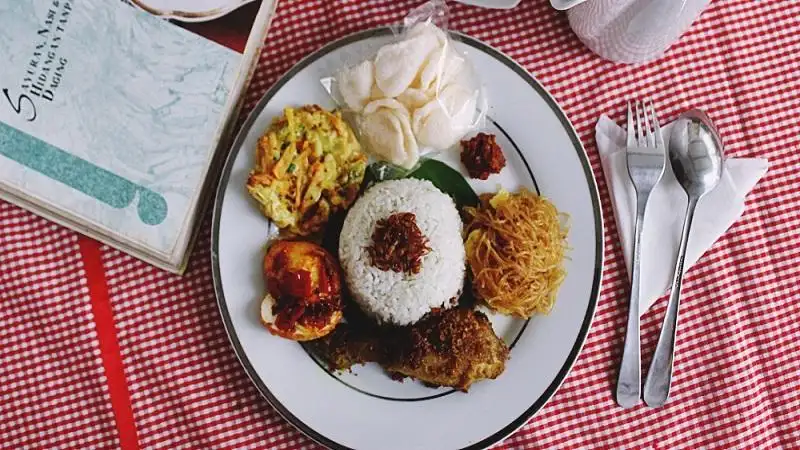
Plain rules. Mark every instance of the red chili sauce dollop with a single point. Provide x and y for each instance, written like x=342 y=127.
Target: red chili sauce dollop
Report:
x=482 y=156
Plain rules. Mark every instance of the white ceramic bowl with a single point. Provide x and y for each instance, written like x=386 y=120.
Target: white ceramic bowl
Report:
x=190 y=10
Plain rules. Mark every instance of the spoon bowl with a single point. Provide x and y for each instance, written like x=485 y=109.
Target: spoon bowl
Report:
x=695 y=153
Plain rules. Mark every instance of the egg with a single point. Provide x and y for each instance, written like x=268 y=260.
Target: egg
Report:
x=303 y=300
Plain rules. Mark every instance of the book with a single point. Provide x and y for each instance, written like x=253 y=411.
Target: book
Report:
x=114 y=119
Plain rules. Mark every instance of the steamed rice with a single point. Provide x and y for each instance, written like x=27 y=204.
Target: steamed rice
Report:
x=402 y=298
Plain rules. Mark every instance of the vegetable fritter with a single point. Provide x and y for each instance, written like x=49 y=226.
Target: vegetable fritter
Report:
x=308 y=166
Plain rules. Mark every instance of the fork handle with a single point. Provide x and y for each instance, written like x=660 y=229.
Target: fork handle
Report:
x=659 y=376
x=629 y=380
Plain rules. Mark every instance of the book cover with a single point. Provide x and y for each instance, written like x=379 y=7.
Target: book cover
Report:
x=110 y=117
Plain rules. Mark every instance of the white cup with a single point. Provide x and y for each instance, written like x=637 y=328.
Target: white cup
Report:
x=633 y=31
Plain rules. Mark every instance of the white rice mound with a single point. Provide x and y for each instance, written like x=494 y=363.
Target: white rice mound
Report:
x=397 y=297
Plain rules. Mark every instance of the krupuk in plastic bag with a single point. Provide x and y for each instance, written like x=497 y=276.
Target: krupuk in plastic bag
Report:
x=418 y=95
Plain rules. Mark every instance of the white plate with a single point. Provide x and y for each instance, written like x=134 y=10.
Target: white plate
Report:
x=366 y=409
x=190 y=10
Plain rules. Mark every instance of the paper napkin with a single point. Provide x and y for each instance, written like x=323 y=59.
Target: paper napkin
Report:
x=663 y=221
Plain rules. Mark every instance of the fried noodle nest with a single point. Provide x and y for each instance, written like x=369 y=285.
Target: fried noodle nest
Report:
x=515 y=248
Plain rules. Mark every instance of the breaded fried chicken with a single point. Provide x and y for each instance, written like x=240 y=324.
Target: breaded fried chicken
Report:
x=455 y=348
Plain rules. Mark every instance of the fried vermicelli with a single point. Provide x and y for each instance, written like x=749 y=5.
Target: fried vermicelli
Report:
x=515 y=249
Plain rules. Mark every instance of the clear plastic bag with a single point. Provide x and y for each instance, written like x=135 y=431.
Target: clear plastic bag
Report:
x=416 y=96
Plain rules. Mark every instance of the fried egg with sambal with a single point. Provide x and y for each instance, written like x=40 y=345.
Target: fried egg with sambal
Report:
x=303 y=300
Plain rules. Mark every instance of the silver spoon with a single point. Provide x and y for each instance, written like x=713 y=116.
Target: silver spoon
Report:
x=695 y=153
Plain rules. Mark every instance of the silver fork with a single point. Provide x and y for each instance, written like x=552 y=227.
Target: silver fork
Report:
x=646 y=156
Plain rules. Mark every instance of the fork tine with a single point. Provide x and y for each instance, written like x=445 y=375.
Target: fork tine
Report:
x=651 y=141
x=629 y=130
x=656 y=126
x=639 y=126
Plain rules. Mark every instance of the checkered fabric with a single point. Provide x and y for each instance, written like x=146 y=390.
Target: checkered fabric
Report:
x=99 y=350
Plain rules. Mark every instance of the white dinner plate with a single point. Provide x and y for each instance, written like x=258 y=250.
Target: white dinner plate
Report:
x=190 y=10
x=366 y=409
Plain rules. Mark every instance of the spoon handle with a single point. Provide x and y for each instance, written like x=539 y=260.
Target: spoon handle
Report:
x=659 y=377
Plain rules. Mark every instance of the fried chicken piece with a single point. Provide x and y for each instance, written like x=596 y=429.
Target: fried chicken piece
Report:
x=453 y=348
x=346 y=346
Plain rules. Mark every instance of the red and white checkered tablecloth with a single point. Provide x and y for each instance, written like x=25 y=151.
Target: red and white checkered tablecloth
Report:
x=99 y=350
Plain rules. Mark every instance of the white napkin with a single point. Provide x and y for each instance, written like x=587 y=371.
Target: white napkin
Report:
x=663 y=221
